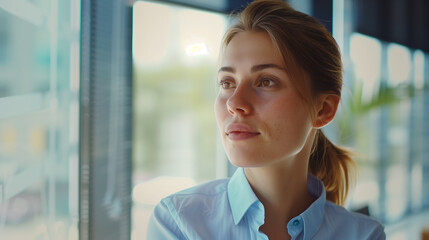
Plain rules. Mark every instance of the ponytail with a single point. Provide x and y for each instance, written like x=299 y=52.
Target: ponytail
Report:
x=334 y=166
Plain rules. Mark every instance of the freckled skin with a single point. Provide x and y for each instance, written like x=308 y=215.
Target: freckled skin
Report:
x=276 y=111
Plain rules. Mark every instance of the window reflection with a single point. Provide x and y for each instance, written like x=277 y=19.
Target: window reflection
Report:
x=38 y=119
x=25 y=46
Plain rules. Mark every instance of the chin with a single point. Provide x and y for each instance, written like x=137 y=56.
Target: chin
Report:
x=245 y=162
x=249 y=156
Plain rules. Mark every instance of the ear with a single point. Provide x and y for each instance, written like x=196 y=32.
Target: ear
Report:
x=326 y=110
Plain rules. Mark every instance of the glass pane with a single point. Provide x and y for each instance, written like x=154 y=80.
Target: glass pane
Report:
x=23 y=45
x=384 y=122
x=175 y=52
x=39 y=57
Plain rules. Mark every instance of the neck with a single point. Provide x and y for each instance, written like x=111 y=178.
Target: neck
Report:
x=282 y=190
x=282 y=187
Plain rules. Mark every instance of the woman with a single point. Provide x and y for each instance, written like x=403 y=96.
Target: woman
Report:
x=280 y=83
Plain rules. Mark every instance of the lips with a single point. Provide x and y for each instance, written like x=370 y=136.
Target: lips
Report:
x=239 y=131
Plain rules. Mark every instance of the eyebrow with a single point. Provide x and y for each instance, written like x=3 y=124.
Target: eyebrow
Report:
x=255 y=68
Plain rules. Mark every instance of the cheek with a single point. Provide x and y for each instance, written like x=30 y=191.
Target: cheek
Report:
x=289 y=118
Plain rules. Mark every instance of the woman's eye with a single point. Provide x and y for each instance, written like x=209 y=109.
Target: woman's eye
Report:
x=266 y=82
x=225 y=84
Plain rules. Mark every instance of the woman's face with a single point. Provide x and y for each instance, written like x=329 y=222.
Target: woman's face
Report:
x=260 y=114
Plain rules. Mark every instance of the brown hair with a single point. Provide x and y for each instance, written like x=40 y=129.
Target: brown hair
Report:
x=309 y=52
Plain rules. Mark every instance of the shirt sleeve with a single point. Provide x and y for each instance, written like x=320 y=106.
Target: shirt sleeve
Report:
x=162 y=223
x=378 y=233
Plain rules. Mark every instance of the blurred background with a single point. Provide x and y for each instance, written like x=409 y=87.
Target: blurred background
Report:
x=107 y=106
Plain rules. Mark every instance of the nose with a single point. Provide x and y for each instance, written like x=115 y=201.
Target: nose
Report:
x=240 y=102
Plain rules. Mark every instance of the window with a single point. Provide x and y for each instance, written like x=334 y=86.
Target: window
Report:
x=175 y=144
x=384 y=123
x=39 y=70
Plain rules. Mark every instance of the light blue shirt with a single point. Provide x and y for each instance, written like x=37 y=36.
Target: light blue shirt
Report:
x=228 y=209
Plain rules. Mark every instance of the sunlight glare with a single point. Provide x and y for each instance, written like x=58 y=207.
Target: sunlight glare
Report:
x=365 y=53
x=399 y=64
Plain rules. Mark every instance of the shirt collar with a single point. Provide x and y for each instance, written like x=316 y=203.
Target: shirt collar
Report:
x=240 y=195
x=313 y=215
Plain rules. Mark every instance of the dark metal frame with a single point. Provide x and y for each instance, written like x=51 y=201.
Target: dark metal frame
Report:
x=105 y=120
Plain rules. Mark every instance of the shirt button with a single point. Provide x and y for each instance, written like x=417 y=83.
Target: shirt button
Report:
x=295 y=222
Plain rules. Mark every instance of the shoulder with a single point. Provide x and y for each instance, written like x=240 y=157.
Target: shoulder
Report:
x=209 y=188
x=349 y=223
x=209 y=191
x=197 y=200
x=181 y=213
